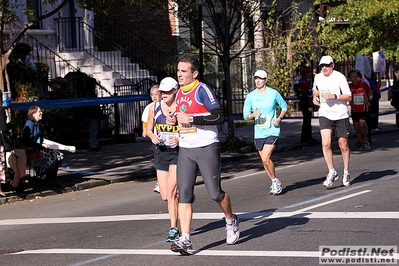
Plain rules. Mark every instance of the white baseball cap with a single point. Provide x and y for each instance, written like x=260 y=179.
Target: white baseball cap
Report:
x=260 y=74
x=167 y=84
x=326 y=60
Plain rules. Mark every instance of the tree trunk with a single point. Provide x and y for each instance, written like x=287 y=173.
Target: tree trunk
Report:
x=229 y=95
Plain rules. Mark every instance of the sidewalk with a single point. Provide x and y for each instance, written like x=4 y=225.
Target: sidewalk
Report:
x=131 y=161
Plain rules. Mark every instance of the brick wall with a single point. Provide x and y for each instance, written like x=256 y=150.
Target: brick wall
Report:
x=152 y=25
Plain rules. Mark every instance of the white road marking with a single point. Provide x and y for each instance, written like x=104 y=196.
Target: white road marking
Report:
x=320 y=215
x=257 y=172
x=334 y=200
x=346 y=190
x=241 y=176
x=205 y=216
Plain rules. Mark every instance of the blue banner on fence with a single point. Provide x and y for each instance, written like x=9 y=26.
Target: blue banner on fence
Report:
x=79 y=102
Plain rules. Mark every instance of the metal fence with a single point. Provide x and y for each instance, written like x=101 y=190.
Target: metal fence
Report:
x=128 y=115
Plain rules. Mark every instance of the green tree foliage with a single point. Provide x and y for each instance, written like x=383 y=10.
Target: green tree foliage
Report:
x=223 y=23
x=373 y=26
x=288 y=47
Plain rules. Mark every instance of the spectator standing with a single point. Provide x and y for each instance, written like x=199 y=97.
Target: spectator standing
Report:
x=260 y=106
x=395 y=93
x=155 y=97
x=163 y=131
x=94 y=116
x=306 y=104
x=29 y=62
x=331 y=92
x=375 y=85
x=198 y=114
x=360 y=105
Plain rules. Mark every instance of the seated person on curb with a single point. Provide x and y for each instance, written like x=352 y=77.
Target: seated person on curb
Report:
x=32 y=141
x=13 y=162
x=16 y=160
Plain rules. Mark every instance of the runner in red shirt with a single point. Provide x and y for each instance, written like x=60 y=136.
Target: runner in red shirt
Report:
x=360 y=107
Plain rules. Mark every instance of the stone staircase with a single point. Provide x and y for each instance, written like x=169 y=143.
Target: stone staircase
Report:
x=109 y=68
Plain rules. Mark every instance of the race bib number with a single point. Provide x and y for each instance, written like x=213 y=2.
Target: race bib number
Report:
x=187 y=129
x=165 y=138
x=263 y=121
x=321 y=92
x=358 y=99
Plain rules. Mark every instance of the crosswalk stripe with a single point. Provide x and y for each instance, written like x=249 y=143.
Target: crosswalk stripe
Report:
x=206 y=216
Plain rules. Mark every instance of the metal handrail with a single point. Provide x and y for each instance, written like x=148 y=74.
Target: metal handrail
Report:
x=58 y=66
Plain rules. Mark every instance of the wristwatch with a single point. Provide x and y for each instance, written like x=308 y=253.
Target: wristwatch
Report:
x=190 y=119
x=335 y=97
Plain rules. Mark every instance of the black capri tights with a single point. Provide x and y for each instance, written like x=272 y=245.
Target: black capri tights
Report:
x=207 y=160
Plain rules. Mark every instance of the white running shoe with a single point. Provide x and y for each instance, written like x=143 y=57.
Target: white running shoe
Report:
x=156 y=188
x=233 y=231
x=346 y=178
x=330 y=178
x=367 y=146
x=275 y=188
x=183 y=246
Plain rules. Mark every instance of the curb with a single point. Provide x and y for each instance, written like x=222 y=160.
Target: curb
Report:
x=148 y=173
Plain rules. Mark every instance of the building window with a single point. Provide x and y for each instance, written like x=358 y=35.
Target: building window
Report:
x=33 y=8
